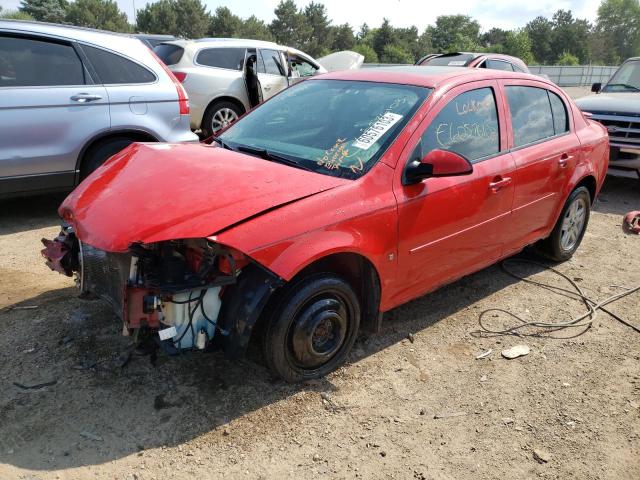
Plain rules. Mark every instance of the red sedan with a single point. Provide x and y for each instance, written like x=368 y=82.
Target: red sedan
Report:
x=338 y=199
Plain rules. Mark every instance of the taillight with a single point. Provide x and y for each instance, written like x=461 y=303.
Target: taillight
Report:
x=180 y=76
x=183 y=99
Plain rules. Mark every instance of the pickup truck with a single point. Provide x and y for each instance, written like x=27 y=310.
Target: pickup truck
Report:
x=617 y=106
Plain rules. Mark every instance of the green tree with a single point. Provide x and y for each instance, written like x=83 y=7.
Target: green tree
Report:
x=618 y=29
x=255 y=28
x=382 y=37
x=363 y=32
x=103 y=14
x=494 y=39
x=14 y=15
x=571 y=35
x=370 y=55
x=343 y=37
x=455 y=33
x=182 y=18
x=45 y=10
x=225 y=24
x=540 y=32
x=290 y=26
x=320 y=39
x=567 y=59
x=396 y=54
x=517 y=43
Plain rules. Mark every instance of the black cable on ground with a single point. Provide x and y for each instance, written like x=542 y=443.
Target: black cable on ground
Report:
x=583 y=321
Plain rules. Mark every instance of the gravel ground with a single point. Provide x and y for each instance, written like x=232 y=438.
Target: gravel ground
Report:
x=413 y=401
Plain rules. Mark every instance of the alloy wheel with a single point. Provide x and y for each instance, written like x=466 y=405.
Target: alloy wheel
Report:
x=572 y=224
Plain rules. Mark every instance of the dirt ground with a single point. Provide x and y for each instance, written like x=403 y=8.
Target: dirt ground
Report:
x=576 y=400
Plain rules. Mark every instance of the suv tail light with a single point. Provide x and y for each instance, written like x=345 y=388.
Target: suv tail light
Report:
x=180 y=76
x=183 y=99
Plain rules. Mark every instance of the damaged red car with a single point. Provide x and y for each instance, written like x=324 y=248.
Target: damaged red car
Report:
x=338 y=199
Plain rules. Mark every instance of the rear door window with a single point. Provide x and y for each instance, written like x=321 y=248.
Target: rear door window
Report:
x=26 y=62
x=499 y=65
x=113 y=69
x=168 y=53
x=229 y=58
x=467 y=125
x=272 y=62
x=531 y=116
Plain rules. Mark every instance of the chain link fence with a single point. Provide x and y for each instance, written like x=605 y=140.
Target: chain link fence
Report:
x=574 y=76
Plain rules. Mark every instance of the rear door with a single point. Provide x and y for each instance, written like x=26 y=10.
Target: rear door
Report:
x=545 y=150
x=451 y=226
x=272 y=73
x=50 y=107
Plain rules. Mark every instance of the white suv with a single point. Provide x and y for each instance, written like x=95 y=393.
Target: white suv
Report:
x=227 y=77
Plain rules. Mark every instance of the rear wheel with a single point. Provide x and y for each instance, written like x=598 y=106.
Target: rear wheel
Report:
x=570 y=227
x=312 y=329
x=218 y=116
x=99 y=153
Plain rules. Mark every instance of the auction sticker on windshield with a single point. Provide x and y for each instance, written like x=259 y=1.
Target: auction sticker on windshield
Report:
x=376 y=130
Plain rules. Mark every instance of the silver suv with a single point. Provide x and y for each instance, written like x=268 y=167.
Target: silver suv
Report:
x=72 y=97
x=226 y=77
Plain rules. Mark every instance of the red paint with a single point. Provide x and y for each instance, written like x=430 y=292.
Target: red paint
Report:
x=446 y=163
x=417 y=237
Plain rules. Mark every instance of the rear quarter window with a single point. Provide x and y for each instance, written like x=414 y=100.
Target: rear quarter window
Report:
x=229 y=58
x=114 y=69
x=560 y=117
x=169 y=54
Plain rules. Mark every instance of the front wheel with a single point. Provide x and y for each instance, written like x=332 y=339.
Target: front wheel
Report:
x=313 y=328
x=570 y=227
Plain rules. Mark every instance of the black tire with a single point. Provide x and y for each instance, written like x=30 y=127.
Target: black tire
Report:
x=207 y=126
x=562 y=243
x=312 y=329
x=99 y=153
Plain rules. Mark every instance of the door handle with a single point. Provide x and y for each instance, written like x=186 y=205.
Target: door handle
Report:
x=499 y=183
x=85 y=98
x=564 y=160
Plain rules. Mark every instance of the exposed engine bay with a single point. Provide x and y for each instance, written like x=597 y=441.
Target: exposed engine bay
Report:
x=173 y=288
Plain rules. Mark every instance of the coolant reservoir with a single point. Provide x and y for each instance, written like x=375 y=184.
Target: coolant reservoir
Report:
x=177 y=315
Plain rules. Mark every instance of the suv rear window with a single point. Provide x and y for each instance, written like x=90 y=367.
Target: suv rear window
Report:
x=36 y=63
x=229 y=58
x=114 y=69
x=169 y=54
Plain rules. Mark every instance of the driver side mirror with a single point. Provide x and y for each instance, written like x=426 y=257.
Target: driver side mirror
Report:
x=436 y=163
x=596 y=87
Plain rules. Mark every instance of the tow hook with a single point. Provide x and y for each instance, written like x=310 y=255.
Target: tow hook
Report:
x=631 y=222
x=61 y=253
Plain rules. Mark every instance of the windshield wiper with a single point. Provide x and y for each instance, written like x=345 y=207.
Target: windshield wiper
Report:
x=222 y=143
x=273 y=156
x=624 y=85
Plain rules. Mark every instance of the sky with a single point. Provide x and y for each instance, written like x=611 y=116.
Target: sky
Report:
x=506 y=14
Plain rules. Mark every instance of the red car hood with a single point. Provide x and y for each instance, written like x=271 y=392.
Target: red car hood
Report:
x=154 y=192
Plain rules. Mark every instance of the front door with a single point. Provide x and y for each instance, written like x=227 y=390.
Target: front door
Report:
x=49 y=109
x=451 y=226
x=272 y=73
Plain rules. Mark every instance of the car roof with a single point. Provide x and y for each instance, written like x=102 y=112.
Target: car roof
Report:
x=224 y=42
x=425 y=76
x=67 y=31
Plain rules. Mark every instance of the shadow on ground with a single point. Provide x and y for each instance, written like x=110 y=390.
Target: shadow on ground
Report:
x=29 y=213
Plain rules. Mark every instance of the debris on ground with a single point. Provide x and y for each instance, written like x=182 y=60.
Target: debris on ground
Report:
x=484 y=354
x=449 y=415
x=541 y=456
x=515 y=352
x=35 y=386
x=91 y=436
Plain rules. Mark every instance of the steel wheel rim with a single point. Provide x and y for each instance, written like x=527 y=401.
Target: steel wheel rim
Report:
x=319 y=330
x=572 y=224
x=223 y=118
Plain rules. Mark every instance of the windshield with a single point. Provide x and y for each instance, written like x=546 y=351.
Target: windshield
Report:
x=334 y=127
x=170 y=54
x=626 y=78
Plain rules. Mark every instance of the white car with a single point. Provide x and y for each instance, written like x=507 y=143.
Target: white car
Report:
x=227 y=77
